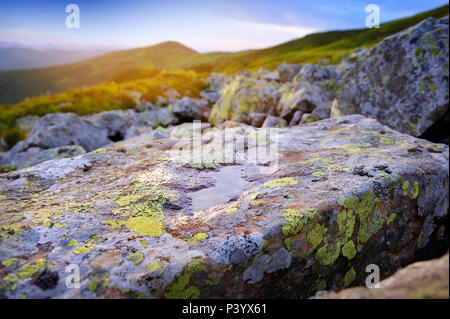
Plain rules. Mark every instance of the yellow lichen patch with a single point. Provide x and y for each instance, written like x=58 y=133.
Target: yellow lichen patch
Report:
x=29 y=270
x=137 y=258
x=114 y=223
x=318 y=174
x=197 y=237
x=87 y=247
x=9 y=262
x=179 y=288
x=7 y=231
x=154 y=265
x=281 y=182
x=73 y=242
x=143 y=243
x=145 y=226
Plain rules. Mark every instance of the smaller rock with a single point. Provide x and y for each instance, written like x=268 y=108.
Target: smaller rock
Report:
x=287 y=72
x=188 y=109
x=308 y=118
x=296 y=118
x=420 y=280
x=256 y=119
x=272 y=121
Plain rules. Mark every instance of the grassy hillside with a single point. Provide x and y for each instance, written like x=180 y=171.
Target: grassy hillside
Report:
x=309 y=49
x=98 y=98
x=19 y=84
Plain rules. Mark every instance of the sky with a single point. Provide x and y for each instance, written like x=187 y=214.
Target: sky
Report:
x=204 y=25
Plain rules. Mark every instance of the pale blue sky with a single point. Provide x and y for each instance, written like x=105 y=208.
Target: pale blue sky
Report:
x=205 y=25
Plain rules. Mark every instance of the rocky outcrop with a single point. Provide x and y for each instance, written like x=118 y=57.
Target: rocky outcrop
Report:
x=56 y=136
x=116 y=122
x=403 y=81
x=245 y=95
x=142 y=219
x=423 y=279
x=287 y=72
x=188 y=109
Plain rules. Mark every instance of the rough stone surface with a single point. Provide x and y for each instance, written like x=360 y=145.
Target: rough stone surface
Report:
x=245 y=95
x=190 y=109
x=54 y=130
x=36 y=155
x=287 y=72
x=115 y=122
x=423 y=279
x=346 y=193
x=403 y=81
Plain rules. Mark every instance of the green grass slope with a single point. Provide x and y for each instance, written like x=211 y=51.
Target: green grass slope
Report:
x=312 y=48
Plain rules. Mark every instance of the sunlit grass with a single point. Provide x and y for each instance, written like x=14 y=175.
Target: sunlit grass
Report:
x=104 y=97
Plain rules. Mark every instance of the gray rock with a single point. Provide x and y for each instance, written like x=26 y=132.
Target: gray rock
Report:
x=243 y=96
x=256 y=119
x=305 y=97
x=403 y=81
x=60 y=129
x=287 y=72
x=344 y=193
x=35 y=155
x=272 y=121
x=115 y=122
x=188 y=109
x=296 y=118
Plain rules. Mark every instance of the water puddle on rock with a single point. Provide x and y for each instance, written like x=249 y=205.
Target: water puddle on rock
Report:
x=228 y=184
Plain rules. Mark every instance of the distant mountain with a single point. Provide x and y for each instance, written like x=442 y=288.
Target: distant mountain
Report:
x=19 y=84
x=13 y=58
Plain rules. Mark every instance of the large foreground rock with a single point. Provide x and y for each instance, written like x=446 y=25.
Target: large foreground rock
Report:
x=403 y=81
x=142 y=220
x=424 y=279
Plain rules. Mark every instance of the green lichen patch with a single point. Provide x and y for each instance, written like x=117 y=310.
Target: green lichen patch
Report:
x=28 y=270
x=145 y=226
x=349 y=250
x=368 y=211
x=88 y=246
x=349 y=277
x=179 y=289
x=136 y=258
x=281 y=182
x=10 y=261
x=154 y=265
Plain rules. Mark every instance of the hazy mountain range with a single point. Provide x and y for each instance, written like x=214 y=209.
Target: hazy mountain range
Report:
x=14 y=56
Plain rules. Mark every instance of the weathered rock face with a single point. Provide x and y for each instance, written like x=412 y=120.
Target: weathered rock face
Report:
x=305 y=97
x=287 y=72
x=243 y=96
x=425 y=279
x=115 y=122
x=139 y=221
x=403 y=81
x=191 y=109
x=54 y=130
x=55 y=136
x=35 y=155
